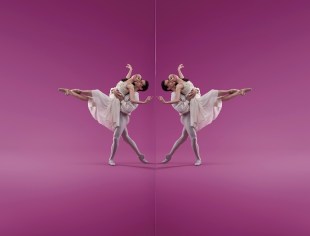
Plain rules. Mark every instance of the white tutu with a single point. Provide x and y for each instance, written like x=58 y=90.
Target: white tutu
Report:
x=105 y=109
x=205 y=109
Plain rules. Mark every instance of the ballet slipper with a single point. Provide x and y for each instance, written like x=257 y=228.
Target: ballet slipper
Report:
x=111 y=162
x=167 y=159
x=245 y=90
x=142 y=159
x=198 y=162
x=65 y=91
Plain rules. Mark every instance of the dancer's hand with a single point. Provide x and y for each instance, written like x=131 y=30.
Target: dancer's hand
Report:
x=160 y=98
x=129 y=66
x=118 y=95
x=180 y=67
x=148 y=99
x=191 y=95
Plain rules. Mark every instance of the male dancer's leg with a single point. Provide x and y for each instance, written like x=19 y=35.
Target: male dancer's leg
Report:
x=176 y=145
x=133 y=145
x=193 y=136
x=116 y=136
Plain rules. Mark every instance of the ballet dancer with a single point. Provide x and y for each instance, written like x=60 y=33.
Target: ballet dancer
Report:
x=106 y=109
x=127 y=107
x=110 y=112
x=202 y=110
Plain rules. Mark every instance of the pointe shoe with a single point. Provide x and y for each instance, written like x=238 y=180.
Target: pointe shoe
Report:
x=198 y=162
x=142 y=159
x=65 y=91
x=245 y=90
x=167 y=159
x=111 y=162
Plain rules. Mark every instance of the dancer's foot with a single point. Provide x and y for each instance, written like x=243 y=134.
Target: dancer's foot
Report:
x=142 y=159
x=111 y=162
x=244 y=91
x=65 y=91
x=167 y=159
x=198 y=162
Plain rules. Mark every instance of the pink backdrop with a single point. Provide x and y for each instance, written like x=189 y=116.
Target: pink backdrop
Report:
x=54 y=174
x=54 y=179
x=255 y=177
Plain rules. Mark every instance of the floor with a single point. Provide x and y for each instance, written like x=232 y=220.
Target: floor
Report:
x=77 y=193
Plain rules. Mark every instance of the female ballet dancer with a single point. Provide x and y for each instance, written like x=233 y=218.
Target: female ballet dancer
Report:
x=108 y=110
x=202 y=110
x=105 y=109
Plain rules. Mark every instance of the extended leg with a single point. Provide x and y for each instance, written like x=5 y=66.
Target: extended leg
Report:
x=74 y=94
x=133 y=145
x=231 y=96
x=226 y=92
x=176 y=145
x=81 y=97
x=83 y=92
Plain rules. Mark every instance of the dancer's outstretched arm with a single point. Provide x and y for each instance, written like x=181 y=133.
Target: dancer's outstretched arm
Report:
x=176 y=98
x=180 y=72
x=132 y=96
x=129 y=72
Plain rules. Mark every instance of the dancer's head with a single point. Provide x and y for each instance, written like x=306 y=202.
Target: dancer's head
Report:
x=173 y=77
x=141 y=85
x=170 y=83
x=138 y=82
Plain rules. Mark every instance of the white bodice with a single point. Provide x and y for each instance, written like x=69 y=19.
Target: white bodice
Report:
x=188 y=86
x=121 y=86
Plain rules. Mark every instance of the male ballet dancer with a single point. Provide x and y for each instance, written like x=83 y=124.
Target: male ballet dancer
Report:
x=183 y=108
x=126 y=108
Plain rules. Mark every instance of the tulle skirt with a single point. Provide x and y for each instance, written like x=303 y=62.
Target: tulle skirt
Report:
x=205 y=109
x=105 y=109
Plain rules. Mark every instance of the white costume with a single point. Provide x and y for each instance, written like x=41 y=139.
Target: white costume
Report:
x=113 y=114
x=126 y=107
x=203 y=109
x=106 y=109
x=183 y=107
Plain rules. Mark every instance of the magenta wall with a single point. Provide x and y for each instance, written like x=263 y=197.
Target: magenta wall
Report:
x=54 y=179
x=60 y=44
x=54 y=174
x=223 y=45
x=255 y=176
